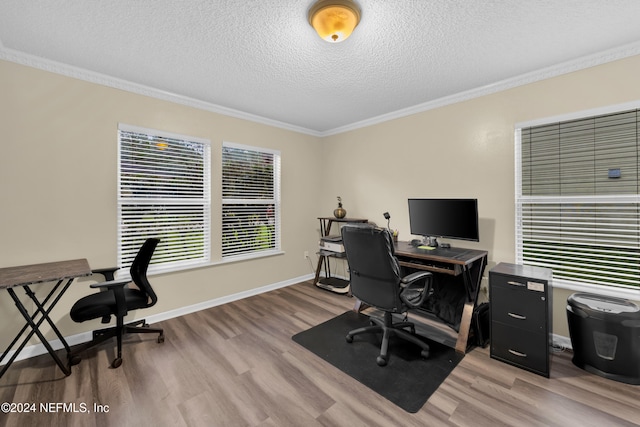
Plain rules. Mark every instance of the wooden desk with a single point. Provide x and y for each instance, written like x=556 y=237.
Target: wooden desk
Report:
x=62 y=272
x=454 y=267
x=465 y=265
x=454 y=262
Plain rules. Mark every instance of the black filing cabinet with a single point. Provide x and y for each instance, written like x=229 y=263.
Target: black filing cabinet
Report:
x=521 y=308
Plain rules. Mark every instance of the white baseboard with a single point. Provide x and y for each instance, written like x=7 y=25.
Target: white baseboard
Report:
x=38 y=349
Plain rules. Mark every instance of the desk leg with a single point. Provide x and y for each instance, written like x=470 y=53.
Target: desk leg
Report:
x=318 y=269
x=472 y=277
x=465 y=326
x=41 y=309
x=24 y=328
x=34 y=330
x=33 y=316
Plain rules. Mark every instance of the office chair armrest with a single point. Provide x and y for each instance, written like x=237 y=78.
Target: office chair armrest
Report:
x=414 y=276
x=110 y=284
x=118 y=290
x=414 y=292
x=108 y=272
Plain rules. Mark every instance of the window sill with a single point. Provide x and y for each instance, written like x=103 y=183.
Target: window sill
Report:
x=631 y=294
x=245 y=257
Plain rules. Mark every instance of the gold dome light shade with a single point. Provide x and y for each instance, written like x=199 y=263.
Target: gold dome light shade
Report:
x=334 y=20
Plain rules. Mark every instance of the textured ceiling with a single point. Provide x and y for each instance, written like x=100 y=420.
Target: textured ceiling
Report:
x=262 y=58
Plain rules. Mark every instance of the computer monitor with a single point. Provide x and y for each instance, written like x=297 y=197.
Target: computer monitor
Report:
x=448 y=218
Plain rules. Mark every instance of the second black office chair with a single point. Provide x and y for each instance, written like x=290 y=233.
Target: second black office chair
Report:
x=117 y=299
x=376 y=281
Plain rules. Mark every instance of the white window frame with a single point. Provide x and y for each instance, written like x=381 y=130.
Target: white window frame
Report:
x=240 y=249
x=616 y=291
x=185 y=194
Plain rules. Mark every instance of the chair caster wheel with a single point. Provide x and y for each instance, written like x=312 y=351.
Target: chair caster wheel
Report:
x=349 y=338
x=425 y=354
x=381 y=361
x=116 y=362
x=160 y=338
x=74 y=360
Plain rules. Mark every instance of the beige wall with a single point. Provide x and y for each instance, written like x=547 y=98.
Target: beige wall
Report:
x=58 y=186
x=58 y=173
x=463 y=150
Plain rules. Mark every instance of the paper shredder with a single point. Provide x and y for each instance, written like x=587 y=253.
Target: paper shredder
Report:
x=605 y=335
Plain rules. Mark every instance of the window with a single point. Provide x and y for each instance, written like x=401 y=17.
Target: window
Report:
x=578 y=202
x=250 y=200
x=164 y=192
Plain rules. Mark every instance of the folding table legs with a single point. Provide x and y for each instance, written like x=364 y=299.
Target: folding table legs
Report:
x=35 y=326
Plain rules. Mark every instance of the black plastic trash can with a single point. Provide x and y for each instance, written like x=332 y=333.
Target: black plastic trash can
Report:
x=605 y=335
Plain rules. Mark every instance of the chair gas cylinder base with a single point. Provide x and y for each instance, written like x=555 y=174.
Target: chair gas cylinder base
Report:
x=389 y=329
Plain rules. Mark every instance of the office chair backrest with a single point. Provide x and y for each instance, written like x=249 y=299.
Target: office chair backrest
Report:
x=139 y=268
x=375 y=273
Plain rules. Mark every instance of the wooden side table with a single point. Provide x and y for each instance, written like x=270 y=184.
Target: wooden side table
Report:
x=333 y=284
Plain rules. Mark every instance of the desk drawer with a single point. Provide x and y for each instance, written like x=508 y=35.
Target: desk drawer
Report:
x=519 y=307
x=525 y=349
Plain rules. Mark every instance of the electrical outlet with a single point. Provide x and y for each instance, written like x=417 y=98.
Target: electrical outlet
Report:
x=306 y=254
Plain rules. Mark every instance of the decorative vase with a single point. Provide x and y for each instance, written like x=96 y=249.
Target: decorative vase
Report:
x=340 y=212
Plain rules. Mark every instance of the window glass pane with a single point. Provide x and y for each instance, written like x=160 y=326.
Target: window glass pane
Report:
x=251 y=200
x=247 y=174
x=540 y=163
x=163 y=192
x=595 y=243
x=578 y=208
x=248 y=228
x=616 y=147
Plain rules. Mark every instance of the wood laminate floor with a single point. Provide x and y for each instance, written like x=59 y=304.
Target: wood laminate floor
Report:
x=236 y=365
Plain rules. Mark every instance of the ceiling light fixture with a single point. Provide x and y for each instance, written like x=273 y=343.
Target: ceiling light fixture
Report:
x=334 y=20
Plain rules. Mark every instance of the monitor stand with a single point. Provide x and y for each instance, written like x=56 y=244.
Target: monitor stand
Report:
x=433 y=243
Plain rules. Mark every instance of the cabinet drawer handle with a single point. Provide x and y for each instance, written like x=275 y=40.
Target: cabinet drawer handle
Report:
x=516 y=283
x=517 y=353
x=517 y=316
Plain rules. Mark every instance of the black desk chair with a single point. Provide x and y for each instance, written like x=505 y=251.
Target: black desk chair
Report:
x=376 y=281
x=117 y=299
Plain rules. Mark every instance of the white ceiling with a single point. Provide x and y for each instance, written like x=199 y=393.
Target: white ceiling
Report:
x=262 y=60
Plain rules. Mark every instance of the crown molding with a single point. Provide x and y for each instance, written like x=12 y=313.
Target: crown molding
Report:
x=584 y=62
x=600 y=58
x=116 y=83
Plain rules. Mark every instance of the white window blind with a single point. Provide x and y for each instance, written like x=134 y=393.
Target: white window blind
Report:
x=578 y=203
x=164 y=192
x=250 y=200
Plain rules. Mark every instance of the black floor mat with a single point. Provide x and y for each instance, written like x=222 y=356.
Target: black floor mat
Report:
x=407 y=380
